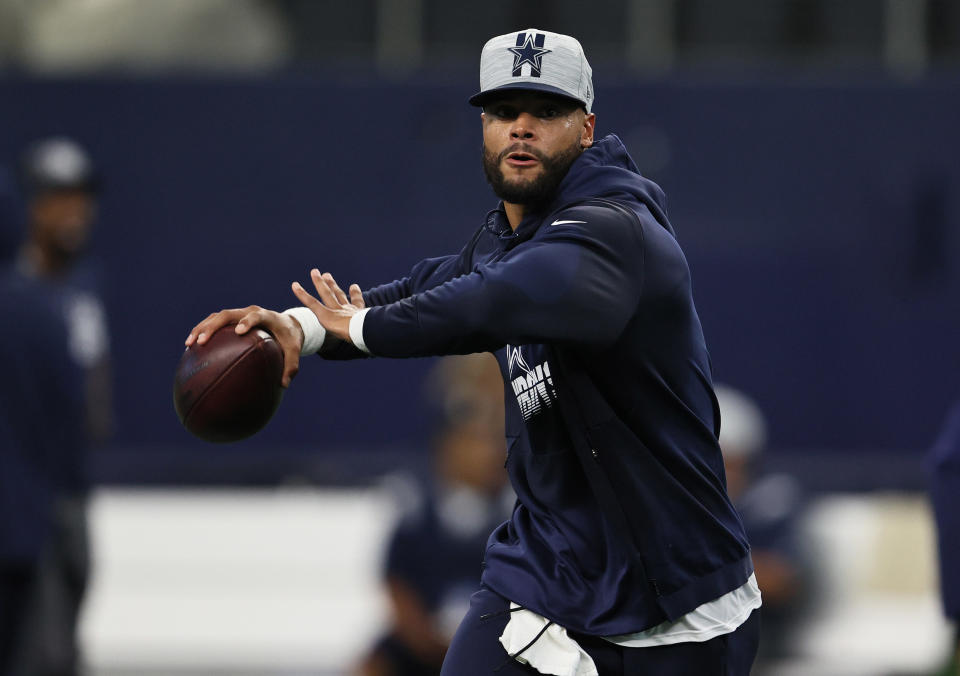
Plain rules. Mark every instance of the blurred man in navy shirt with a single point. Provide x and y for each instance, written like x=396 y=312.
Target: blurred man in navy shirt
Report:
x=54 y=402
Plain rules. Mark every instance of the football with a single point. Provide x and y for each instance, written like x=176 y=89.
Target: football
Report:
x=228 y=388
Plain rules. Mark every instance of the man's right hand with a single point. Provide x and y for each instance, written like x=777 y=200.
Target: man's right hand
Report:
x=284 y=328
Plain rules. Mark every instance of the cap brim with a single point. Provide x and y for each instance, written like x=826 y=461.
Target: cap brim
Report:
x=480 y=98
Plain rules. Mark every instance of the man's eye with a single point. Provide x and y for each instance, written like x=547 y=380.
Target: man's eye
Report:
x=549 y=113
x=505 y=112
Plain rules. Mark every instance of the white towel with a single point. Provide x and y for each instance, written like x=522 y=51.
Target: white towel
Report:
x=554 y=653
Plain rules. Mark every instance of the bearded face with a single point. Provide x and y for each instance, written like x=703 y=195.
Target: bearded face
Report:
x=531 y=188
x=61 y=222
x=530 y=139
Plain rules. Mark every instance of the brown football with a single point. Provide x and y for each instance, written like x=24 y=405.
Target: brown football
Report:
x=228 y=388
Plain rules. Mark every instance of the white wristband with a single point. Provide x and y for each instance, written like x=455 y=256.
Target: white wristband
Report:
x=356 y=330
x=313 y=331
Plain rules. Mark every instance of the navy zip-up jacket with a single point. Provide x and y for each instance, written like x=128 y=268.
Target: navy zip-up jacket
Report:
x=622 y=518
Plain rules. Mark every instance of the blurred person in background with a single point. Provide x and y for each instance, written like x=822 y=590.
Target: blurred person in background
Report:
x=450 y=518
x=944 y=463
x=771 y=506
x=54 y=403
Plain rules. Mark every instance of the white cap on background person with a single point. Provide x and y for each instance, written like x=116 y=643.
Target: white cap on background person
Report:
x=58 y=163
x=743 y=429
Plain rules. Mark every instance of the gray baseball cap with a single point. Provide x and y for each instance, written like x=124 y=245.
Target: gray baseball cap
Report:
x=535 y=60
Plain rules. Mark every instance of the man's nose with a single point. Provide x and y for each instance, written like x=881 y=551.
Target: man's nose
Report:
x=523 y=127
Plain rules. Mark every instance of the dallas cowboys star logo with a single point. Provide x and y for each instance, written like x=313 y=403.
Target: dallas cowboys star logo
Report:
x=529 y=50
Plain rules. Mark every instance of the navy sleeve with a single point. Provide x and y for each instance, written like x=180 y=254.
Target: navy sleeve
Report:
x=425 y=275
x=576 y=282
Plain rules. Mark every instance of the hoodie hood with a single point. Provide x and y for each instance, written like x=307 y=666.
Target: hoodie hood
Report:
x=605 y=170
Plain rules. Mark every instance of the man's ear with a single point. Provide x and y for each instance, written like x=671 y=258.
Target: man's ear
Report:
x=586 y=136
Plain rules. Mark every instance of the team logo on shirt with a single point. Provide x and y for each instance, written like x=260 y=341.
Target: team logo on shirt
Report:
x=529 y=51
x=532 y=386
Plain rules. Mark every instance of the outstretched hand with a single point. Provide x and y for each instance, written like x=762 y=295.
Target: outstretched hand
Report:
x=334 y=308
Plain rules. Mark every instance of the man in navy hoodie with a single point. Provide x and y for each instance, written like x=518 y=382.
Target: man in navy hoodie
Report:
x=623 y=554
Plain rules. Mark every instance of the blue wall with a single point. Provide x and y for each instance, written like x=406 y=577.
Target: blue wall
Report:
x=820 y=220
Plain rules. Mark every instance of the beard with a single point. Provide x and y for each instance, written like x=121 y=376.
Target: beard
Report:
x=533 y=191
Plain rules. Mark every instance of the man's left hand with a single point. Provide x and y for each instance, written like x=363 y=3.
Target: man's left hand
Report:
x=333 y=308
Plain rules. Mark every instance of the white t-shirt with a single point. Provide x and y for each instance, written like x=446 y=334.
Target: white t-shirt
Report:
x=712 y=619
x=554 y=652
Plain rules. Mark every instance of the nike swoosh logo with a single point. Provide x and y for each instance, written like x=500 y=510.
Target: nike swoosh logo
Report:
x=565 y=222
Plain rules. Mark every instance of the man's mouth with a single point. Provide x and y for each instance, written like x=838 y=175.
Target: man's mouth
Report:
x=521 y=159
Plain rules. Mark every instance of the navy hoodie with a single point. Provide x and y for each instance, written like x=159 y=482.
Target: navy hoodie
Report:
x=622 y=518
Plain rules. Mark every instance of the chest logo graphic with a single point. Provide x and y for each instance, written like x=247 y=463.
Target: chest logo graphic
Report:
x=533 y=387
x=529 y=51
